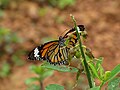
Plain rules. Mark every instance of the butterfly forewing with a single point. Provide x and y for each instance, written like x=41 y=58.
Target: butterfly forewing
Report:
x=39 y=52
x=71 y=36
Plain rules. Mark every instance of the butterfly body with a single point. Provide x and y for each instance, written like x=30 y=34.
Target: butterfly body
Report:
x=56 y=52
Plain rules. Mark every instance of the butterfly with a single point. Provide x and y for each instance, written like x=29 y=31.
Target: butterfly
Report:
x=57 y=51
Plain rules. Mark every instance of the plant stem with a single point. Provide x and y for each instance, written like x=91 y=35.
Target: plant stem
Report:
x=83 y=55
x=41 y=85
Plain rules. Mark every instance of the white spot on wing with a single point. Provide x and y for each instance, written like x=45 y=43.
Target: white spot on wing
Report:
x=78 y=29
x=36 y=51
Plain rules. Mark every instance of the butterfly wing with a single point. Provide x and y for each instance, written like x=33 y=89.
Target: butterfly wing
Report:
x=39 y=52
x=71 y=36
x=50 y=51
x=58 y=55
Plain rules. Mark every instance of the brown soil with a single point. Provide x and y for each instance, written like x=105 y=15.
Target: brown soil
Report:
x=101 y=19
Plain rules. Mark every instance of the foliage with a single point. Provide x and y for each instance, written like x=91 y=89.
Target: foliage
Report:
x=42 y=11
x=42 y=73
x=61 y=3
x=59 y=68
x=33 y=87
x=114 y=84
x=17 y=59
x=8 y=37
x=8 y=40
x=56 y=3
x=4 y=70
x=93 y=68
x=4 y=3
x=1 y=13
x=54 y=87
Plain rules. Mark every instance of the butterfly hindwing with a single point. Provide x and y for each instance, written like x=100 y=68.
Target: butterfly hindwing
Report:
x=58 y=56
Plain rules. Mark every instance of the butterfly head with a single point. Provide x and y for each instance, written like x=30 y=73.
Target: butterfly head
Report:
x=82 y=31
x=61 y=41
x=81 y=27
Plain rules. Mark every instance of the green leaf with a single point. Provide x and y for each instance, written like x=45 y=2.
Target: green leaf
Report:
x=114 y=72
x=60 y=68
x=94 y=70
x=114 y=84
x=107 y=75
x=95 y=88
x=54 y=87
x=42 y=72
x=33 y=87
x=37 y=69
x=30 y=80
x=101 y=71
x=99 y=62
x=46 y=74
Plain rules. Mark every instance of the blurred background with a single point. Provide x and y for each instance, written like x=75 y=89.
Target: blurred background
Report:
x=25 y=24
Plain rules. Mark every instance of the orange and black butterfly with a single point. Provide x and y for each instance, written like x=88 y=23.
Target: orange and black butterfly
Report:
x=56 y=52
